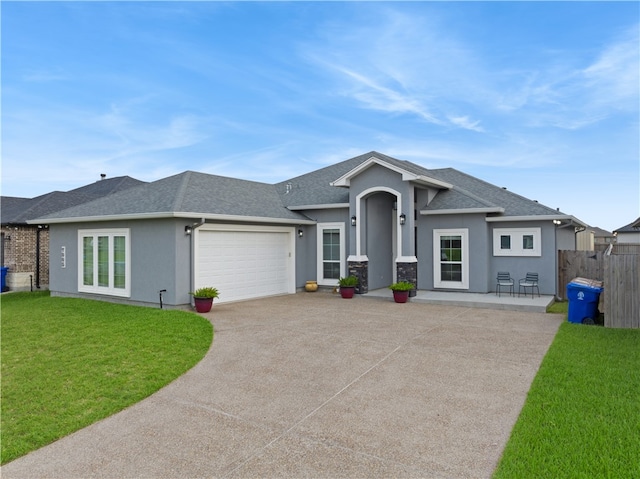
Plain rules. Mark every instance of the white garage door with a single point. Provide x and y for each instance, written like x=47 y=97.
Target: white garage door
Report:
x=245 y=264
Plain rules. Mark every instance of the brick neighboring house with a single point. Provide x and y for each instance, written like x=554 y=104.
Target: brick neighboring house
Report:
x=24 y=248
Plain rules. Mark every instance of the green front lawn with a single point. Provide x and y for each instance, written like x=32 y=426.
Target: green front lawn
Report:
x=67 y=363
x=582 y=415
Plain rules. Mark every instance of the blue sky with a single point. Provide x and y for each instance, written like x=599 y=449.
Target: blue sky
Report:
x=539 y=97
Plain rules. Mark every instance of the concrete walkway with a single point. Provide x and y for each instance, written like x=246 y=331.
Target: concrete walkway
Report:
x=312 y=385
x=533 y=304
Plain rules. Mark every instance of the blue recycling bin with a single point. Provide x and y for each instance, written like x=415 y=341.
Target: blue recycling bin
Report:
x=583 y=302
x=4 y=278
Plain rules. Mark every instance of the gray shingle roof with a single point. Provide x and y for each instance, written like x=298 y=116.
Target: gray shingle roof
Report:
x=468 y=192
x=466 y=187
x=315 y=188
x=20 y=210
x=108 y=186
x=188 y=192
x=632 y=227
x=204 y=194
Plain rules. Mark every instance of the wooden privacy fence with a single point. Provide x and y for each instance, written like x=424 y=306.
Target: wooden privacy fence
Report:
x=622 y=291
x=620 y=274
x=620 y=248
x=574 y=264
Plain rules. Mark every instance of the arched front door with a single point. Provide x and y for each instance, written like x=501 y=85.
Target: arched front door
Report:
x=381 y=241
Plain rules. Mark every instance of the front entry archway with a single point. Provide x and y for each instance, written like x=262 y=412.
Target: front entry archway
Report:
x=381 y=242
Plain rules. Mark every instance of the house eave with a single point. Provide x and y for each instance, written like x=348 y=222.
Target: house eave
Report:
x=427 y=181
x=165 y=215
x=462 y=211
x=329 y=206
x=566 y=219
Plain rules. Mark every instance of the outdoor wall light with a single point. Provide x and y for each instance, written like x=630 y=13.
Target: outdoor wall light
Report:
x=300 y=233
x=403 y=219
x=353 y=221
x=557 y=222
x=188 y=229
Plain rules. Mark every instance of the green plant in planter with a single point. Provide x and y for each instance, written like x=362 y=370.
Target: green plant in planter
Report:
x=205 y=292
x=402 y=286
x=349 y=281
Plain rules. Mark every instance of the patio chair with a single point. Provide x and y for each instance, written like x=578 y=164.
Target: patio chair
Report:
x=504 y=280
x=530 y=281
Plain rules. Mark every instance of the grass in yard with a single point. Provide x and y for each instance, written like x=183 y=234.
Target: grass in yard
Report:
x=582 y=415
x=559 y=307
x=66 y=362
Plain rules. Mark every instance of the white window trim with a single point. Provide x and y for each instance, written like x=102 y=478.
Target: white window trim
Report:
x=106 y=290
x=517 y=235
x=319 y=254
x=437 y=282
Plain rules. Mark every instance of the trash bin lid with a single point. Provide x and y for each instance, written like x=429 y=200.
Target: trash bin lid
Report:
x=594 y=283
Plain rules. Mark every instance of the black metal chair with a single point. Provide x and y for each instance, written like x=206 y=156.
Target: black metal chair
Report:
x=504 y=281
x=530 y=281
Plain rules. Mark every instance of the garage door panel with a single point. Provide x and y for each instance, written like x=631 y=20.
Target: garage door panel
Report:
x=245 y=264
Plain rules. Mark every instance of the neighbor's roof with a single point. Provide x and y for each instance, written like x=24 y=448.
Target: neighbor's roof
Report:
x=632 y=227
x=600 y=233
x=188 y=195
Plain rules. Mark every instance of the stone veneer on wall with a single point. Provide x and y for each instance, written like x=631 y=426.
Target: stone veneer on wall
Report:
x=408 y=272
x=360 y=269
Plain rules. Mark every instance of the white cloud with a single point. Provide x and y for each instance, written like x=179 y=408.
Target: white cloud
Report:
x=402 y=65
x=613 y=79
x=575 y=97
x=464 y=122
x=378 y=97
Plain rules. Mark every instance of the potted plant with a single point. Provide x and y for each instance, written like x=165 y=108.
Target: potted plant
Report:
x=203 y=298
x=401 y=291
x=348 y=286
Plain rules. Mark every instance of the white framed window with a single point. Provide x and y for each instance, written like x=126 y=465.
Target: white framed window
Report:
x=331 y=253
x=517 y=242
x=451 y=258
x=104 y=265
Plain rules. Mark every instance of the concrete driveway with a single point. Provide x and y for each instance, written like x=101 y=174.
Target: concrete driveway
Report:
x=312 y=385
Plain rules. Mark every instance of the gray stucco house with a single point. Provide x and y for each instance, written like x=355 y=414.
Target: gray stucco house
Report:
x=378 y=217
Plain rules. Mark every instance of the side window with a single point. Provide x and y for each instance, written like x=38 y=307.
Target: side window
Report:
x=517 y=242
x=103 y=263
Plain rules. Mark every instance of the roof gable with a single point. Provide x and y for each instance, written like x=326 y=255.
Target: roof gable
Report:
x=408 y=171
x=322 y=187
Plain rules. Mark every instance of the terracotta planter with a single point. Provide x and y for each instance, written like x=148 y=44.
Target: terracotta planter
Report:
x=400 y=296
x=347 y=291
x=203 y=305
x=311 y=286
